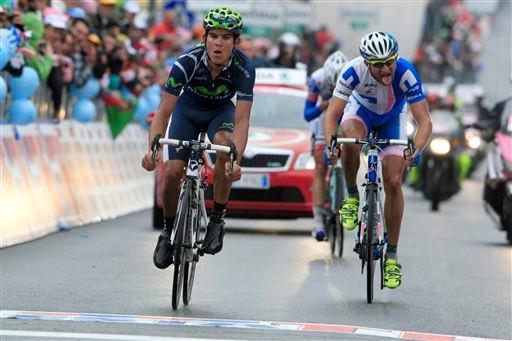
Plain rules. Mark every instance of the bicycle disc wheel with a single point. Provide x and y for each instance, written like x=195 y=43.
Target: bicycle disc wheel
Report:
x=179 y=254
x=370 y=246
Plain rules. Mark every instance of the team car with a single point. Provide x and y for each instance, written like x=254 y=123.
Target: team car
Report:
x=277 y=163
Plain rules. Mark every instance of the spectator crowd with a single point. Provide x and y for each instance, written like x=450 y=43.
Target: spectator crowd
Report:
x=69 y=42
x=452 y=42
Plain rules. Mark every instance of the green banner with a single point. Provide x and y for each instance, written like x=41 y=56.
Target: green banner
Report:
x=118 y=119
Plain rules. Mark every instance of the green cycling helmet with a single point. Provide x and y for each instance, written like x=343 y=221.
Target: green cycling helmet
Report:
x=224 y=18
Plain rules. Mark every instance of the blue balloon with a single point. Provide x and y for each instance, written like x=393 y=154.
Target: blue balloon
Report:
x=25 y=85
x=153 y=101
x=141 y=110
x=3 y=89
x=154 y=89
x=21 y=111
x=89 y=90
x=84 y=111
x=4 y=55
x=8 y=46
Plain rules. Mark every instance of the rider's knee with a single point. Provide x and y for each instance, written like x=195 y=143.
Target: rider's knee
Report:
x=393 y=183
x=173 y=170
x=353 y=128
x=223 y=138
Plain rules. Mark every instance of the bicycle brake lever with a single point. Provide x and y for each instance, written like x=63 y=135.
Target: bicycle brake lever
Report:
x=233 y=155
x=154 y=147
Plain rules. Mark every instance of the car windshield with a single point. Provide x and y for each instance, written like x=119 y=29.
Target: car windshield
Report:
x=277 y=107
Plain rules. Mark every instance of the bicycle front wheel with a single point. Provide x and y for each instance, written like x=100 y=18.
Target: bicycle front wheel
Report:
x=190 y=264
x=370 y=231
x=179 y=241
x=338 y=195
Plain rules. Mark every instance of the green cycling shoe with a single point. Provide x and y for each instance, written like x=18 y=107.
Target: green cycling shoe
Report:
x=392 y=274
x=348 y=213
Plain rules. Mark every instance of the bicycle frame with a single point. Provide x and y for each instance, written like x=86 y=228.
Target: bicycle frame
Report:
x=374 y=183
x=197 y=207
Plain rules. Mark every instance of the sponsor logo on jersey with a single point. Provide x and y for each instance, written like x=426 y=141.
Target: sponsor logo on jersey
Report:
x=172 y=83
x=221 y=90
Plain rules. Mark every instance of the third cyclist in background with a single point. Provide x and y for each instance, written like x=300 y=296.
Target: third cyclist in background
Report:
x=320 y=87
x=372 y=93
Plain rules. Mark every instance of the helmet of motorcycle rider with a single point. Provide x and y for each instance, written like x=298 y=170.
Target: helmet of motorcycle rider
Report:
x=290 y=39
x=378 y=46
x=333 y=66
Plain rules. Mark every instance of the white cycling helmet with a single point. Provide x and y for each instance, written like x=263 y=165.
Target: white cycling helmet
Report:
x=378 y=46
x=333 y=66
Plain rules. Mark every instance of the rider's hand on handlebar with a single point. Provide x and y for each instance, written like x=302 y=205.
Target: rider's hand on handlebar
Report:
x=412 y=160
x=147 y=161
x=331 y=158
x=234 y=174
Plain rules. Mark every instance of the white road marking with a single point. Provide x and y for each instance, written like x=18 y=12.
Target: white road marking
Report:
x=93 y=336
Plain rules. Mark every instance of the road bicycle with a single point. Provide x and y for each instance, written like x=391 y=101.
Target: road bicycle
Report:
x=191 y=219
x=335 y=194
x=371 y=237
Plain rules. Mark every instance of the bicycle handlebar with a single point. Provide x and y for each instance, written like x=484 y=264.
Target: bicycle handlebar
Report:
x=196 y=146
x=394 y=142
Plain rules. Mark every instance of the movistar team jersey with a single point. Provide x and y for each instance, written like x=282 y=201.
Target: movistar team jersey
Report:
x=191 y=75
x=356 y=80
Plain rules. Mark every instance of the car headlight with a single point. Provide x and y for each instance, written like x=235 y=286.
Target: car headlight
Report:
x=305 y=161
x=440 y=146
x=410 y=128
x=473 y=139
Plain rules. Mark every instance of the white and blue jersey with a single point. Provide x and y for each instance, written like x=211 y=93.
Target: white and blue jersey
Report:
x=376 y=105
x=317 y=90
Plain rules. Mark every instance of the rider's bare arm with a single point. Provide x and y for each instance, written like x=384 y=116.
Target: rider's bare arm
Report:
x=162 y=115
x=241 y=129
x=332 y=115
x=422 y=116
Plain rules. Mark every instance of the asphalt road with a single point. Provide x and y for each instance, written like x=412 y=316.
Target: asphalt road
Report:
x=456 y=265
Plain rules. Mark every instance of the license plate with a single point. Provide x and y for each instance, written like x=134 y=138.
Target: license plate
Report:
x=253 y=181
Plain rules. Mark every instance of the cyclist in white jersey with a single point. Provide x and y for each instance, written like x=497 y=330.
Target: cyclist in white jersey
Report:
x=320 y=87
x=372 y=93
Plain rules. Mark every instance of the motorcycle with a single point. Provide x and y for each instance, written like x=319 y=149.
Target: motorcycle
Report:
x=438 y=175
x=497 y=194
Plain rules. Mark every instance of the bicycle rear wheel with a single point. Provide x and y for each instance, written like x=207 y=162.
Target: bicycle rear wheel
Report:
x=179 y=251
x=371 y=201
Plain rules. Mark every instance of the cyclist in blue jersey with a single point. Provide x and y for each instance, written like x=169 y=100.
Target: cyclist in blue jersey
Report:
x=320 y=87
x=373 y=92
x=199 y=93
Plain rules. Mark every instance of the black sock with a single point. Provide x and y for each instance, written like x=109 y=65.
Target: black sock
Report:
x=353 y=192
x=218 y=213
x=169 y=222
x=391 y=251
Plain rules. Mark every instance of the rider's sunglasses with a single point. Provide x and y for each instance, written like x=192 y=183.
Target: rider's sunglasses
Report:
x=379 y=64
